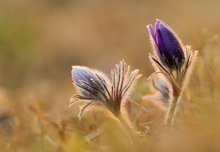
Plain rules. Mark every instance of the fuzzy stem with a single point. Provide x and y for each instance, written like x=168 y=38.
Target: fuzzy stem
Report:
x=130 y=133
x=170 y=113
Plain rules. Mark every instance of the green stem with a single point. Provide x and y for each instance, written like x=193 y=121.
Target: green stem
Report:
x=128 y=130
x=170 y=113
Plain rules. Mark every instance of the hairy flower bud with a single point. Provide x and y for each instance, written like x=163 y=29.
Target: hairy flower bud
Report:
x=92 y=85
x=89 y=83
x=168 y=47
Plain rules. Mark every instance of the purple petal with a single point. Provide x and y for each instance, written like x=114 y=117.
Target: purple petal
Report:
x=170 y=41
x=87 y=82
x=151 y=31
x=169 y=48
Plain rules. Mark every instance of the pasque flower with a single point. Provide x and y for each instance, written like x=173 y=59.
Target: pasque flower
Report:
x=172 y=59
x=94 y=86
x=161 y=93
x=90 y=83
x=168 y=46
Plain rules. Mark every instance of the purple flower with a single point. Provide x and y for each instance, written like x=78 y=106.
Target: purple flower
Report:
x=93 y=85
x=167 y=45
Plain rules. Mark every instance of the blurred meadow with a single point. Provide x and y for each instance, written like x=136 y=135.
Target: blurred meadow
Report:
x=41 y=39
